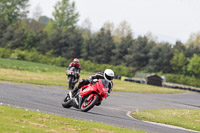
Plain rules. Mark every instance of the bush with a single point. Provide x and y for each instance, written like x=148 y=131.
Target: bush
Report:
x=35 y=56
x=194 y=65
x=5 y=53
x=182 y=79
x=60 y=61
x=94 y=67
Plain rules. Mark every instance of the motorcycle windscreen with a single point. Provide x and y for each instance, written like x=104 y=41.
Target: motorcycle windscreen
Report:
x=105 y=83
x=103 y=86
x=72 y=69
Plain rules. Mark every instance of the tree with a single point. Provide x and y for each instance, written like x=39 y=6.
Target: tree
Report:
x=121 y=50
x=194 y=65
x=102 y=47
x=137 y=56
x=194 y=39
x=191 y=50
x=33 y=25
x=11 y=31
x=73 y=42
x=86 y=33
x=50 y=28
x=109 y=26
x=66 y=44
x=122 y=30
x=179 y=46
x=13 y=36
x=85 y=29
x=44 y=20
x=87 y=48
x=159 y=58
x=65 y=14
x=2 y=31
x=179 y=62
x=12 y=10
x=30 y=41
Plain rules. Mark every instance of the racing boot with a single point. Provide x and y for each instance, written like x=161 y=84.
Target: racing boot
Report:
x=74 y=91
x=81 y=83
x=70 y=94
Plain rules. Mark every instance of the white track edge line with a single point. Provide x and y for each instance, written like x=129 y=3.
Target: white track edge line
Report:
x=164 y=125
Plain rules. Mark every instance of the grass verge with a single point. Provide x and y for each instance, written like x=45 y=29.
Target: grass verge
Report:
x=21 y=121
x=186 y=118
x=143 y=88
x=42 y=74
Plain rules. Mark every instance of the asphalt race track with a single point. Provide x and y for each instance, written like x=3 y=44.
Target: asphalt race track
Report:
x=114 y=110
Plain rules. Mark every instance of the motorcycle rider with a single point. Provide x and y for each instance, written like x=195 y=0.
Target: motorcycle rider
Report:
x=75 y=64
x=107 y=75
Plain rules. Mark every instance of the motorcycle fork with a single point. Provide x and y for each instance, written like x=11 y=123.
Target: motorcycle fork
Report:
x=80 y=101
x=77 y=101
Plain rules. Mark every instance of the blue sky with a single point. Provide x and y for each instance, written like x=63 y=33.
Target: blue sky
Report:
x=168 y=20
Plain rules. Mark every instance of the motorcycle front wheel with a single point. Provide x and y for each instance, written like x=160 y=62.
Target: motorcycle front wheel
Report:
x=71 y=82
x=89 y=104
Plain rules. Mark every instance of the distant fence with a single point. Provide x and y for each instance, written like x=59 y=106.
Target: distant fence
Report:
x=181 y=87
x=117 y=77
x=143 y=81
x=135 y=80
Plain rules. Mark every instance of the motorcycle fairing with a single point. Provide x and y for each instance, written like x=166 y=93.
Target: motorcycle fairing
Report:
x=98 y=88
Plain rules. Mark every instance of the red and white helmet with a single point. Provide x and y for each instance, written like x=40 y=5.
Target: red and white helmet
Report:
x=109 y=75
x=76 y=60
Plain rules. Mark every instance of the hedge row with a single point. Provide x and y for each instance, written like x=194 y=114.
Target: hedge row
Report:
x=119 y=70
x=182 y=79
x=34 y=56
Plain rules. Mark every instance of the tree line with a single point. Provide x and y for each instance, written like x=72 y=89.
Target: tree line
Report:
x=60 y=36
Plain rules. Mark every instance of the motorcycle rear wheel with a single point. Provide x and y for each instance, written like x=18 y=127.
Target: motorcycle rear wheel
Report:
x=87 y=105
x=66 y=102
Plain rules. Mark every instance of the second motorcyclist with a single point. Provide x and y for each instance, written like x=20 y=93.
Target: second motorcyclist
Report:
x=77 y=65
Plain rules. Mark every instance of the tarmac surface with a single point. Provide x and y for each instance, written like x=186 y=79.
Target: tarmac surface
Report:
x=114 y=110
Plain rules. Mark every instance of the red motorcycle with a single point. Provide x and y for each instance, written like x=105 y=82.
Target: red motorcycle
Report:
x=88 y=96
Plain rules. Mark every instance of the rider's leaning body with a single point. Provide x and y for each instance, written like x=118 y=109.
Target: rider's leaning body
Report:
x=108 y=75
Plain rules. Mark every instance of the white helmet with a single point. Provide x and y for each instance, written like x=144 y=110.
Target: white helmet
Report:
x=109 y=75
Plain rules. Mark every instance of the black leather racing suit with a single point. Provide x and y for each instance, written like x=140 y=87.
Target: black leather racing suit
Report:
x=98 y=75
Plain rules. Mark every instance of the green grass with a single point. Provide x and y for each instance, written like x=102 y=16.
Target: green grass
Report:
x=142 y=88
x=42 y=74
x=186 y=118
x=29 y=66
x=21 y=121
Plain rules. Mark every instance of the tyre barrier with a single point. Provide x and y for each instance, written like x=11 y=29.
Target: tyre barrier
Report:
x=136 y=80
x=181 y=87
x=164 y=85
x=117 y=77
